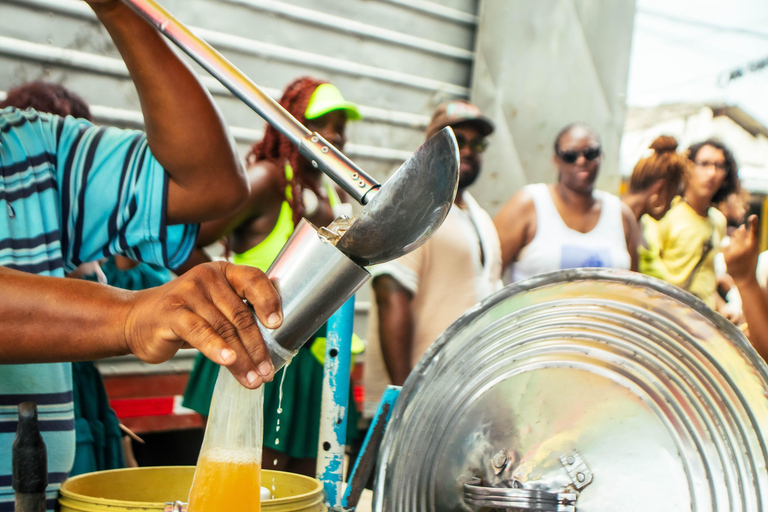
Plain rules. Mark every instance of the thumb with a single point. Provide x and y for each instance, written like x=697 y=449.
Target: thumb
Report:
x=754 y=228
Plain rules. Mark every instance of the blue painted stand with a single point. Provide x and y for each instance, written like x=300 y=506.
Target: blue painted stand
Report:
x=333 y=412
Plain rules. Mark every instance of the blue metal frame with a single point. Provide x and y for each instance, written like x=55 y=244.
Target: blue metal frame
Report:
x=369 y=452
x=334 y=407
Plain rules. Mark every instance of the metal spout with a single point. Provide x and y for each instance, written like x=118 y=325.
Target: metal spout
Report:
x=314 y=279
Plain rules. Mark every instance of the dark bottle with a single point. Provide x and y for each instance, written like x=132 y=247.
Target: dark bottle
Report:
x=30 y=462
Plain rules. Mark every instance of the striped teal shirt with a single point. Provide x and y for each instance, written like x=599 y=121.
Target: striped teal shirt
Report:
x=71 y=192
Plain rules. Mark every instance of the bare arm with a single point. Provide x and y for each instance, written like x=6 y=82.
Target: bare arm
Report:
x=741 y=259
x=48 y=319
x=516 y=225
x=631 y=235
x=185 y=130
x=395 y=327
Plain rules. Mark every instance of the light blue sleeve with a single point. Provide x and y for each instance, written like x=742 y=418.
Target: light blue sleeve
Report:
x=113 y=198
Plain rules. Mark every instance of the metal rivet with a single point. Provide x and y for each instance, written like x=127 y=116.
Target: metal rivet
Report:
x=314 y=139
x=361 y=183
x=580 y=477
x=314 y=163
x=354 y=176
x=324 y=149
x=570 y=459
x=499 y=460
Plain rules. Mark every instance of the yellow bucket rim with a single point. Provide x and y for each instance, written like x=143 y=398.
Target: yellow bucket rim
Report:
x=96 y=504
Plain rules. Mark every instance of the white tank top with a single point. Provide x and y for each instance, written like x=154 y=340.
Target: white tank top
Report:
x=556 y=246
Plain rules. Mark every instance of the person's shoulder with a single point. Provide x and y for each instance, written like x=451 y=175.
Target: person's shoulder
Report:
x=717 y=216
x=13 y=118
x=718 y=219
x=265 y=176
x=523 y=198
x=678 y=210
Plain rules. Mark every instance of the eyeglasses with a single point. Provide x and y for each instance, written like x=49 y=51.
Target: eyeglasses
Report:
x=570 y=157
x=720 y=166
x=477 y=145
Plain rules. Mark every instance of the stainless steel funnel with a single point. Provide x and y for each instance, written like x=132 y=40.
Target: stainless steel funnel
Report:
x=314 y=279
x=409 y=207
x=416 y=199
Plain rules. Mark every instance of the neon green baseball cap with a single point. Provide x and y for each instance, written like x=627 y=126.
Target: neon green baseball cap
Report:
x=327 y=98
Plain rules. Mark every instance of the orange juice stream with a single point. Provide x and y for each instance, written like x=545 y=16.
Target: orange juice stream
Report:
x=226 y=480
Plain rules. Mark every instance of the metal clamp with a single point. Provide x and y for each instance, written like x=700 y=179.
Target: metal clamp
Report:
x=577 y=469
x=516 y=499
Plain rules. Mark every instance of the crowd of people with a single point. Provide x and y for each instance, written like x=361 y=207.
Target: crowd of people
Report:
x=143 y=202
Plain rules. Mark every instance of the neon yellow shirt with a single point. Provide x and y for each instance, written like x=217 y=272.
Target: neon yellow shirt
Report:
x=680 y=237
x=264 y=253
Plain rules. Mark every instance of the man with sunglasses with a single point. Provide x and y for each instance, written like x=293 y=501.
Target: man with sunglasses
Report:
x=568 y=224
x=419 y=295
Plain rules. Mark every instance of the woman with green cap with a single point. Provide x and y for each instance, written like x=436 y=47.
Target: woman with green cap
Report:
x=284 y=189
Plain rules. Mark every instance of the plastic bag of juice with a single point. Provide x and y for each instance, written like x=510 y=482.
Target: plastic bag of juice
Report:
x=228 y=474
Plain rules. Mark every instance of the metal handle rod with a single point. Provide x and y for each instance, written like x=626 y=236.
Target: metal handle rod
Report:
x=319 y=151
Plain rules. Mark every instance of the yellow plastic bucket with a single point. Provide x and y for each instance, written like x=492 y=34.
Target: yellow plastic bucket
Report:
x=137 y=489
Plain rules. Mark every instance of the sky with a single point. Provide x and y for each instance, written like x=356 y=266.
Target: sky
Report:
x=685 y=51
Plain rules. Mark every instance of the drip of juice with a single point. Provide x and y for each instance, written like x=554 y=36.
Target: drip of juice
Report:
x=226 y=480
x=280 y=405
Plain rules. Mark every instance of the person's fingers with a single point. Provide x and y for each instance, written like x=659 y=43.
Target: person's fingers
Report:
x=199 y=332
x=226 y=312
x=252 y=284
x=196 y=331
x=754 y=227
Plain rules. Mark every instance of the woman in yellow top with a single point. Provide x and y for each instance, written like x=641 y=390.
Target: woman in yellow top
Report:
x=284 y=188
x=688 y=237
x=655 y=181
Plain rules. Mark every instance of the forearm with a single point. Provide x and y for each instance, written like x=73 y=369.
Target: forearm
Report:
x=395 y=328
x=185 y=130
x=47 y=319
x=198 y=257
x=396 y=338
x=755 y=307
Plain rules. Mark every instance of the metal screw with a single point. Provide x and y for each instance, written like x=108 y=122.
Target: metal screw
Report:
x=354 y=176
x=499 y=460
x=314 y=139
x=580 y=477
x=324 y=149
x=570 y=459
x=314 y=163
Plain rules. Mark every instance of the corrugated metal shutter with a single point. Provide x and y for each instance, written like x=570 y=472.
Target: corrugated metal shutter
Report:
x=396 y=58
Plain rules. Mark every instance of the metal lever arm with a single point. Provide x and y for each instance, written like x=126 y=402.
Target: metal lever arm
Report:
x=342 y=170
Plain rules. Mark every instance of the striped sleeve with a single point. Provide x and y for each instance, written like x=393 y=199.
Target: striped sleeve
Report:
x=113 y=198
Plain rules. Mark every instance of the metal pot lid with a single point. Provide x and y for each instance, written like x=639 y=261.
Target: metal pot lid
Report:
x=589 y=390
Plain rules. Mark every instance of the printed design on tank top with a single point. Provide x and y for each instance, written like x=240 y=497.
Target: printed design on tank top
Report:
x=576 y=256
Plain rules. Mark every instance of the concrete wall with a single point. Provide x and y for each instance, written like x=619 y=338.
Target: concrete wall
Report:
x=540 y=66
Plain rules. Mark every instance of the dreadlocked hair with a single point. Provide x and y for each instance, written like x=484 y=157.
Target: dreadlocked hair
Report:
x=276 y=147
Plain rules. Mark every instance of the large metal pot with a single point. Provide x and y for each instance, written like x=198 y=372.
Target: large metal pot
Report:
x=588 y=390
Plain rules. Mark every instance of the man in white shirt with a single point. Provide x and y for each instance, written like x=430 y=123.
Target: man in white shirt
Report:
x=420 y=294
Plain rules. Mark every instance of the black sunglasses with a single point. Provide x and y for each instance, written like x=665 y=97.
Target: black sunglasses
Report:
x=477 y=145
x=570 y=157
